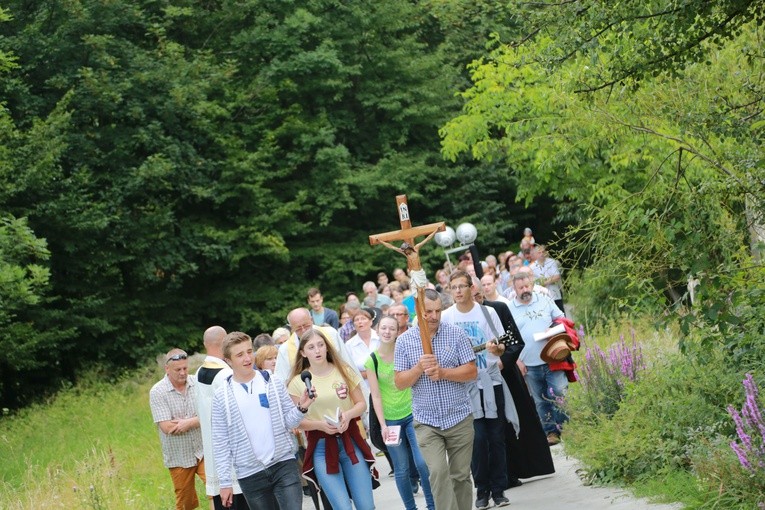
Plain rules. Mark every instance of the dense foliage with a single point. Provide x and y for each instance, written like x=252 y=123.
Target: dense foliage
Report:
x=648 y=117
x=661 y=155
x=194 y=163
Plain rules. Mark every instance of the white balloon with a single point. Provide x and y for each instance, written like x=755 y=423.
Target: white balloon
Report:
x=466 y=233
x=445 y=238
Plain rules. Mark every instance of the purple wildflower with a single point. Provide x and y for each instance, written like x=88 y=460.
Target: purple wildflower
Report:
x=741 y=455
x=606 y=373
x=750 y=429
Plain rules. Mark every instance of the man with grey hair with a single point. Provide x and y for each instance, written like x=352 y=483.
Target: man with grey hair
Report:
x=380 y=300
x=300 y=321
x=533 y=313
x=348 y=329
x=172 y=401
x=524 y=270
x=547 y=273
x=401 y=313
x=491 y=261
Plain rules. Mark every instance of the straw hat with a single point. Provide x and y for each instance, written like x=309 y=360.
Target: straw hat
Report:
x=557 y=348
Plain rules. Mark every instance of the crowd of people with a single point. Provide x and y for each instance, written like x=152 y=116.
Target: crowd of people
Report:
x=476 y=405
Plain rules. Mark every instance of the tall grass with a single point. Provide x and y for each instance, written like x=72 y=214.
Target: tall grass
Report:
x=94 y=446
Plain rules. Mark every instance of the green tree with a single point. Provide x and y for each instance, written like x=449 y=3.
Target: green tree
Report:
x=196 y=163
x=666 y=168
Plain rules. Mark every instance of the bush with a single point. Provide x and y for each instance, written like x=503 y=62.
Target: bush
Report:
x=598 y=295
x=663 y=419
x=734 y=473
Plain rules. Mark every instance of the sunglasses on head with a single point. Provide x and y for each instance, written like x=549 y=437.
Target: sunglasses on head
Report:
x=176 y=357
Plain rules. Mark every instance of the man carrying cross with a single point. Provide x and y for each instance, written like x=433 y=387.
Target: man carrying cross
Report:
x=443 y=417
x=436 y=360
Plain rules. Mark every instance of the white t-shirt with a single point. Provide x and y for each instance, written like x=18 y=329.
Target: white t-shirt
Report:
x=360 y=352
x=501 y=299
x=253 y=404
x=477 y=328
x=204 y=396
x=545 y=270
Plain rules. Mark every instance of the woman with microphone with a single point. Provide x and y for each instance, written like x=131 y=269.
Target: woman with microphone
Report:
x=337 y=453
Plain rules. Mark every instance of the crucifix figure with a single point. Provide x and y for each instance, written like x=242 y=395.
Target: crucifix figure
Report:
x=411 y=251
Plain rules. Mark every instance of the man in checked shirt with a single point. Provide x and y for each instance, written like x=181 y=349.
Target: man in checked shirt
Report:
x=173 y=408
x=443 y=419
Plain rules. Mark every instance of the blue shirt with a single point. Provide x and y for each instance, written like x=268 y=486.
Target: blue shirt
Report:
x=442 y=404
x=534 y=317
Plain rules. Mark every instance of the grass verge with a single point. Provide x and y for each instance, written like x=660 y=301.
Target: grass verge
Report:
x=94 y=446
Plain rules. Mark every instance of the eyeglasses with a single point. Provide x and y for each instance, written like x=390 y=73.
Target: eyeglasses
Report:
x=176 y=357
x=401 y=314
x=461 y=286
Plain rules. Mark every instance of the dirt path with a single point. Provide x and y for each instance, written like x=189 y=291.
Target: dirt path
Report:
x=560 y=491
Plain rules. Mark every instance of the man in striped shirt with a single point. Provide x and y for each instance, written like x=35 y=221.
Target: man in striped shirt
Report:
x=252 y=419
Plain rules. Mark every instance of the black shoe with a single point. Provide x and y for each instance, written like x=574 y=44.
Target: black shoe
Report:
x=500 y=500
x=514 y=482
x=482 y=502
x=415 y=486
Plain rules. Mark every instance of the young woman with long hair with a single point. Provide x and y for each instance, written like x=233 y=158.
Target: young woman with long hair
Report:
x=394 y=407
x=337 y=453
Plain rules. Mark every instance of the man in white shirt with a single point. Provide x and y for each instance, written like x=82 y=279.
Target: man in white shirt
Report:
x=533 y=313
x=300 y=321
x=524 y=270
x=489 y=285
x=482 y=325
x=252 y=421
x=210 y=377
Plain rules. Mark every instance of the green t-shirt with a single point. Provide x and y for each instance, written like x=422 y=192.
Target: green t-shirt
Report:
x=397 y=404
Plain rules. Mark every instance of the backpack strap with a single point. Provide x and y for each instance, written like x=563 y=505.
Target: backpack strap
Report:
x=488 y=319
x=374 y=360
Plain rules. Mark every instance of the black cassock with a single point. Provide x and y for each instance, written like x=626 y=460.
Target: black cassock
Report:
x=529 y=454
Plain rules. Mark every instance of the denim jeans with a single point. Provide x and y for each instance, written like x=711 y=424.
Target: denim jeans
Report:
x=402 y=467
x=357 y=476
x=278 y=482
x=489 y=463
x=546 y=386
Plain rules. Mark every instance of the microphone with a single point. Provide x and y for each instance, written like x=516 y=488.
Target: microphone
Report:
x=305 y=375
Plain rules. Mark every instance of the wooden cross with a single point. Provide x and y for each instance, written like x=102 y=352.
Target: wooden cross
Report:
x=410 y=250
